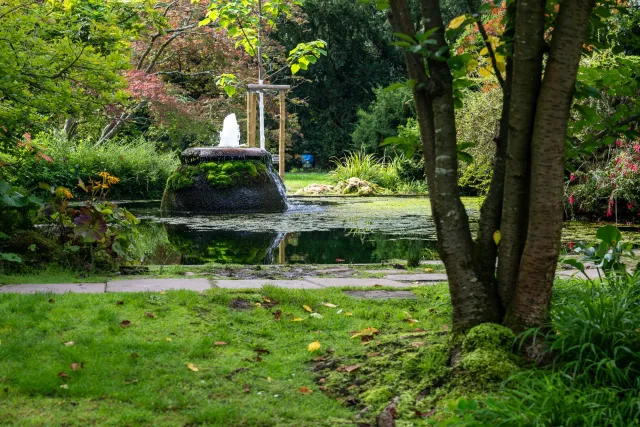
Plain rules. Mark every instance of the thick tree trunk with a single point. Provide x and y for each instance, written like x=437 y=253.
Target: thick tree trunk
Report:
x=528 y=49
x=540 y=256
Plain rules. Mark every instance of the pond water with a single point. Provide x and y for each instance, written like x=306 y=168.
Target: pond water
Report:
x=318 y=230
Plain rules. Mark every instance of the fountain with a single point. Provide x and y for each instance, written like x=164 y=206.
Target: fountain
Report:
x=225 y=179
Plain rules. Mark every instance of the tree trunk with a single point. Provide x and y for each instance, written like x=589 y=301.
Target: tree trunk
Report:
x=540 y=256
x=528 y=49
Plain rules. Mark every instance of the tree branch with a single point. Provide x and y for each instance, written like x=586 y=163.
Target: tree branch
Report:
x=487 y=43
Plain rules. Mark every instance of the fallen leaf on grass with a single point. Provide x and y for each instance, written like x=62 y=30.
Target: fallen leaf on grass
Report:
x=445 y=328
x=319 y=359
x=366 y=332
x=258 y=305
x=411 y=321
x=168 y=339
x=323 y=388
x=348 y=314
x=321 y=380
x=125 y=324
x=131 y=382
x=261 y=350
x=134 y=355
x=306 y=307
x=297 y=319
x=193 y=367
x=69 y=343
x=63 y=374
x=163 y=293
x=352 y=386
x=428 y=270
x=76 y=366
x=151 y=315
x=305 y=390
x=375 y=354
x=314 y=346
x=219 y=343
x=348 y=369
x=247 y=389
x=328 y=304
x=417 y=344
x=119 y=302
x=51 y=301
x=266 y=299
x=276 y=315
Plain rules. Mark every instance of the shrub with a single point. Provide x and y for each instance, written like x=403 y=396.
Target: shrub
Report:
x=143 y=171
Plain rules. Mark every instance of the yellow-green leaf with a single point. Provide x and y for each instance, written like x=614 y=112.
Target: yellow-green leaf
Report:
x=456 y=22
x=328 y=304
x=484 y=52
x=192 y=367
x=297 y=319
x=314 y=346
x=497 y=236
x=306 y=307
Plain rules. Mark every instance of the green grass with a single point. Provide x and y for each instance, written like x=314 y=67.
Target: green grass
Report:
x=298 y=180
x=139 y=375
x=52 y=274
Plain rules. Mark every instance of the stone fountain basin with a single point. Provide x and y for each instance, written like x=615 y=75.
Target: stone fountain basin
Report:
x=224 y=180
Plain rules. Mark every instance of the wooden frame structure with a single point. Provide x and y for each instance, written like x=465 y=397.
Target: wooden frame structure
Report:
x=252 y=117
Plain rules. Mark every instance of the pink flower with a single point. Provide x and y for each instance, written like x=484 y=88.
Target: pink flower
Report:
x=611 y=201
x=636 y=148
x=609 y=213
x=618 y=142
x=571 y=199
x=27 y=136
x=630 y=205
x=572 y=177
x=339 y=260
x=586 y=178
x=571 y=246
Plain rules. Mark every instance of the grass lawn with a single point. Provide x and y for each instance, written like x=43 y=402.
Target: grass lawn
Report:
x=120 y=373
x=299 y=180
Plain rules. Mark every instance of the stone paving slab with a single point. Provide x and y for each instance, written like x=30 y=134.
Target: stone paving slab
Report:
x=338 y=283
x=427 y=277
x=258 y=283
x=60 y=288
x=158 y=285
x=431 y=262
x=393 y=271
x=382 y=294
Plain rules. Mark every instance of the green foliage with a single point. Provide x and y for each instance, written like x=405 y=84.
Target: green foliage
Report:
x=142 y=170
x=382 y=118
x=61 y=59
x=338 y=85
x=368 y=168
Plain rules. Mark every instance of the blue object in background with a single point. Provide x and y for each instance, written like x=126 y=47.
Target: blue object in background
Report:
x=307 y=160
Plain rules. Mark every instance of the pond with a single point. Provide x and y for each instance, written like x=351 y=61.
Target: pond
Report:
x=315 y=230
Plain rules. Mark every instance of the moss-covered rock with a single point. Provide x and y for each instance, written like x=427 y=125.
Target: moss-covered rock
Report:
x=486 y=354
x=182 y=178
x=488 y=366
x=488 y=336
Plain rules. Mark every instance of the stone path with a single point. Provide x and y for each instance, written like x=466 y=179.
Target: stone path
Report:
x=200 y=285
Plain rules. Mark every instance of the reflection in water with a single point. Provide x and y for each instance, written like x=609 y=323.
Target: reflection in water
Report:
x=314 y=231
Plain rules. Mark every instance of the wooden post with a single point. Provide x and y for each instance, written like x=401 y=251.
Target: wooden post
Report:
x=282 y=251
x=248 y=118
x=251 y=119
x=283 y=121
